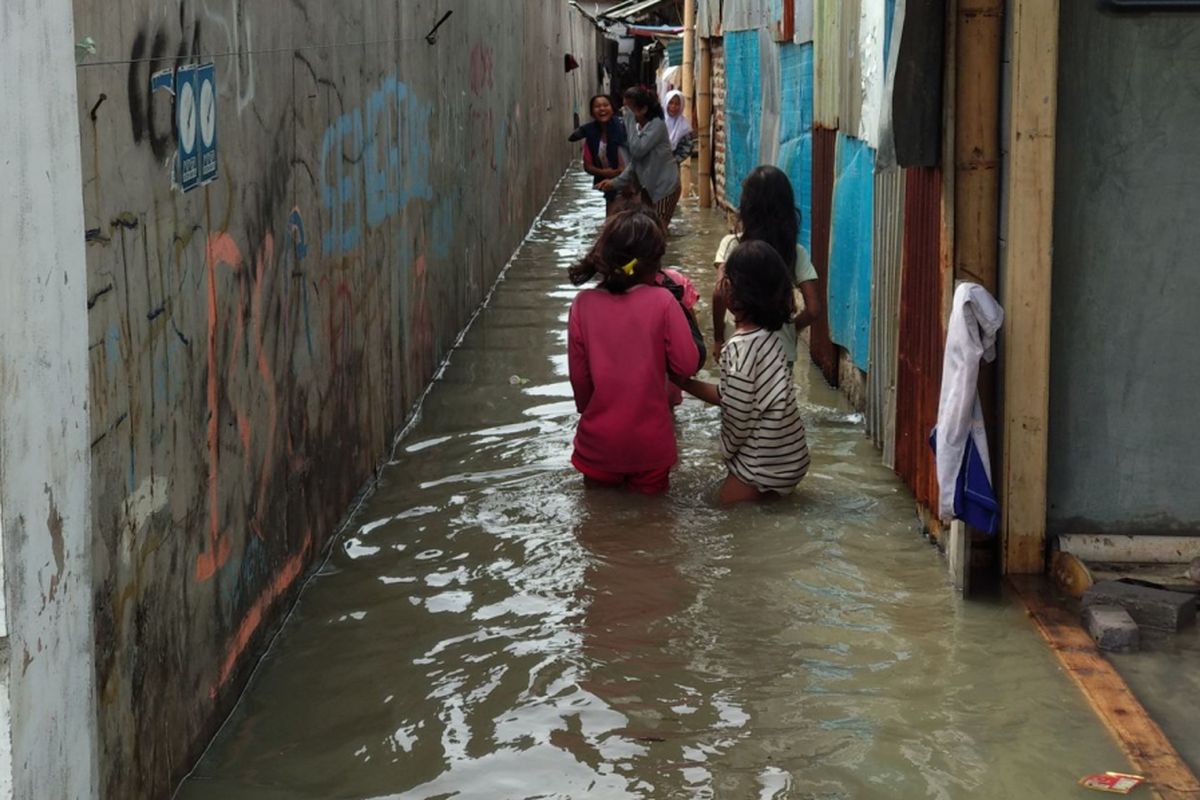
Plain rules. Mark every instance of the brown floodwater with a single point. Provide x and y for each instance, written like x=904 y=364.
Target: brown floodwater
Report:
x=487 y=629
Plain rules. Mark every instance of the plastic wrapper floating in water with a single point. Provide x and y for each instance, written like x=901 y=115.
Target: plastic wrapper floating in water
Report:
x=1114 y=782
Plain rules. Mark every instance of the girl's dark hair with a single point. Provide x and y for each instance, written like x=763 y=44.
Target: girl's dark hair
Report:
x=595 y=97
x=768 y=212
x=642 y=97
x=760 y=285
x=626 y=237
x=630 y=201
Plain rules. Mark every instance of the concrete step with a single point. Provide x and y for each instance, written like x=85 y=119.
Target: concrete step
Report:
x=1157 y=609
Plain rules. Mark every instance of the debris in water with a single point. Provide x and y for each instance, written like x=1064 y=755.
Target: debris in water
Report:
x=517 y=380
x=1115 y=782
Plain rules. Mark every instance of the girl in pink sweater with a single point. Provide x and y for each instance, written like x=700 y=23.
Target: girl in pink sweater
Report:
x=623 y=340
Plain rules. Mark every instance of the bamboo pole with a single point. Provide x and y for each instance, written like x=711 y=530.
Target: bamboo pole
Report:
x=689 y=83
x=1025 y=342
x=704 y=123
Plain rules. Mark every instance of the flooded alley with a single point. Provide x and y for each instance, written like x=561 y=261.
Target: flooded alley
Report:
x=487 y=629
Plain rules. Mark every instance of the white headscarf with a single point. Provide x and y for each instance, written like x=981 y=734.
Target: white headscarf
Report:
x=677 y=126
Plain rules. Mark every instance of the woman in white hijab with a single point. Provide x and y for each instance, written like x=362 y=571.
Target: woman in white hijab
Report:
x=683 y=139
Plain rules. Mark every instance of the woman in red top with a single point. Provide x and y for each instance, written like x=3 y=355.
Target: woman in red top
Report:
x=623 y=339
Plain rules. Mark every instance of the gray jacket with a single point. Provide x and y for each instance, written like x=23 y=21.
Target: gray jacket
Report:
x=651 y=161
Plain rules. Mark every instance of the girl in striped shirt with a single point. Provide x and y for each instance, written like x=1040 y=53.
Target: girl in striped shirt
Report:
x=762 y=436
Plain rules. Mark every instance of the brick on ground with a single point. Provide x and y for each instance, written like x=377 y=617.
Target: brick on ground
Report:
x=1156 y=609
x=1111 y=627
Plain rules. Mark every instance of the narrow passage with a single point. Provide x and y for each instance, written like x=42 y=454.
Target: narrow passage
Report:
x=486 y=629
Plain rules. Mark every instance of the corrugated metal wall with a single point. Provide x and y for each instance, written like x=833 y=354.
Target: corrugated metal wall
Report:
x=795 y=128
x=849 y=72
x=749 y=15
x=770 y=98
x=874 y=230
x=708 y=18
x=849 y=307
x=821 y=346
x=743 y=110
x=827 y=58
x=887 y=259
x=919 y=366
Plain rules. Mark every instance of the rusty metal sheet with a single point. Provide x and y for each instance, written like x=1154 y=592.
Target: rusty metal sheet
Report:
x=824 y=352
x=885 y=310
x=919 y=361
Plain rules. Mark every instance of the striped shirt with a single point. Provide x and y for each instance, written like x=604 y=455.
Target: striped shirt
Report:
x=762 y=435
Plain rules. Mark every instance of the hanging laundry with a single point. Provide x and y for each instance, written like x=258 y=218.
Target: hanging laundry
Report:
x=960 y=439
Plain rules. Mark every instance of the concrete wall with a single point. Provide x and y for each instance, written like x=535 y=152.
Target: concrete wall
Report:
x=44 y=474
x=255 y=344
x=1125 y=375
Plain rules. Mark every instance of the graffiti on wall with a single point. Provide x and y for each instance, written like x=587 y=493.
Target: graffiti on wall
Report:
x=375 y=159
x=151 y=111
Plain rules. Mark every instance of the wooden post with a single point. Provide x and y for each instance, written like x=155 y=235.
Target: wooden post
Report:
x=1025 y=338
x=978 y=44
x=689 y=84
x=704 y=124
x=979 y=40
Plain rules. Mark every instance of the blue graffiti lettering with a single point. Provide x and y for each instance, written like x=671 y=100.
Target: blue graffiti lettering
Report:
x=381 y=164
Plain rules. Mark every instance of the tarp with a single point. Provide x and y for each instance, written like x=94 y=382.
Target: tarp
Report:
x=850 y=249
x=657 y=31
x=795 y=128
x=743 y=110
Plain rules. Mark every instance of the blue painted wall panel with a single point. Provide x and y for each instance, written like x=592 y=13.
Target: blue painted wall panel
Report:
x=743 y=110
x=850 y=248
x=795 y=128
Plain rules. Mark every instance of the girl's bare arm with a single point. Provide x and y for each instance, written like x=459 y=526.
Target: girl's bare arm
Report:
x=702 y=390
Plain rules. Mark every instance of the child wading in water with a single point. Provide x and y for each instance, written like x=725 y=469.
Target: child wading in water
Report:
x=624 y=338
x=762 y=436
x=767 y=213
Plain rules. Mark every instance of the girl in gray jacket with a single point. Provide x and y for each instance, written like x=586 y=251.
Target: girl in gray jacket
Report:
x=652 y=163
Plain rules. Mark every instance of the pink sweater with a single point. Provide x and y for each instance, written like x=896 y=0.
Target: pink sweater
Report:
x=619 y=348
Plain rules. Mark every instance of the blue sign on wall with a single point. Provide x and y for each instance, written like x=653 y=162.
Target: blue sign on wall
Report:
x=186 y=126
x=206 y=98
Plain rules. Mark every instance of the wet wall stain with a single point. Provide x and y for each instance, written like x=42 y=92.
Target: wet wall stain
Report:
x=54 y=524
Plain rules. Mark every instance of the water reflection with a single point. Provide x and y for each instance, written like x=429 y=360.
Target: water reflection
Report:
x=491 y=630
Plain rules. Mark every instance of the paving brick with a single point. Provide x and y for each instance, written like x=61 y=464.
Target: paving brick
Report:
x=1157 y=609
x=1111 y=627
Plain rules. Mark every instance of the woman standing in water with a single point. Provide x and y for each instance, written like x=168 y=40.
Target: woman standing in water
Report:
x=683 y=139
x=651 y=163
x=604 y=148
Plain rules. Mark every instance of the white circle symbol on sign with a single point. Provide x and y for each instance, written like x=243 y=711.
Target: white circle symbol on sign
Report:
x=187 y=117
x=208 y=113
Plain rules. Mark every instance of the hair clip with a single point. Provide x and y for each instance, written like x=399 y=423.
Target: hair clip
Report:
x=628 y=268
